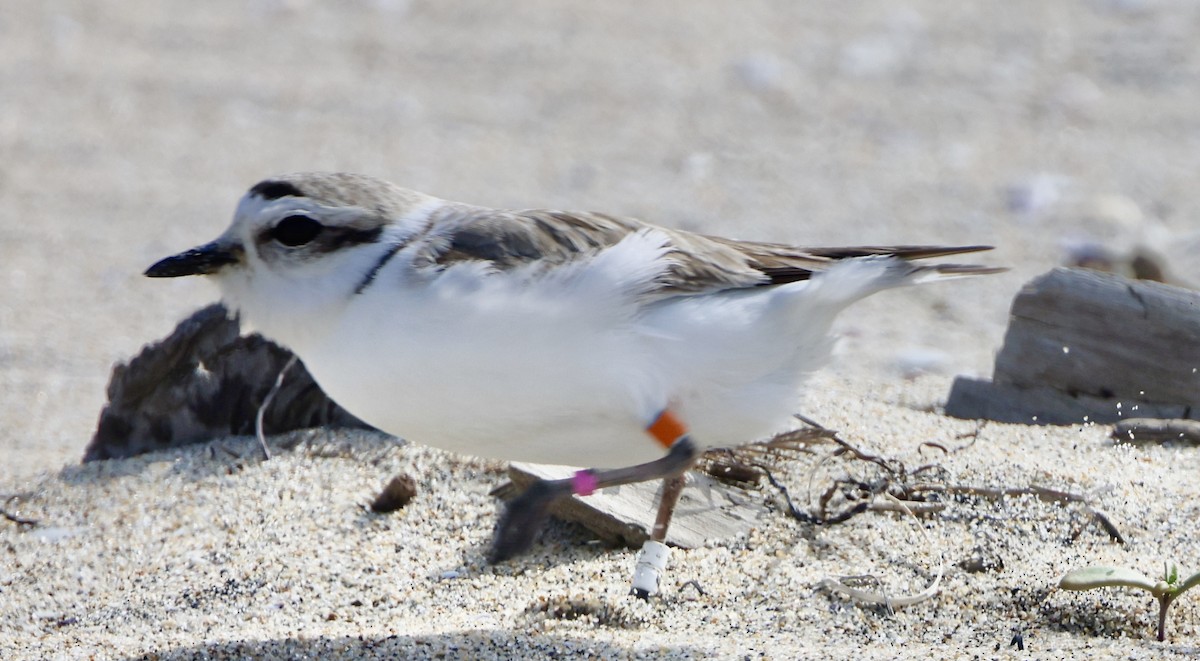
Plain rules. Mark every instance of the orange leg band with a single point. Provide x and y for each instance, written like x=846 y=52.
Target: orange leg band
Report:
x=666 y=428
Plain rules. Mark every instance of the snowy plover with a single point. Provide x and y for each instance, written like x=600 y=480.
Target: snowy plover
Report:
x=541 y=336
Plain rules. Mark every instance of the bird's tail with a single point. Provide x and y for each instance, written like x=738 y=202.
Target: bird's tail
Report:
x=855 y=277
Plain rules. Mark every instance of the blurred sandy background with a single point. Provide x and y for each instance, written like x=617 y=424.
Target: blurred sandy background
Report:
x=128 y=131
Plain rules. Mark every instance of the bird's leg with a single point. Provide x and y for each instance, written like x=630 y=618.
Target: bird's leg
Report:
x=527 y=512
x=652 y=559
x=672 y=488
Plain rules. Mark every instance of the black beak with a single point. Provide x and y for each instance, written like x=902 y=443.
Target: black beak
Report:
x=208 y=258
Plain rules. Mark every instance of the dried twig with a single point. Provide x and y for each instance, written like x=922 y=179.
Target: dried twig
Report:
x=792 y=509
x=1042 y=493
x=262 y=410
x=1105 y=522
x=846 y=514
x=881 y=596
x=744 y=464
x=935 y=446
x=846 y=446
x=864 y=495
x=19 y=520
x=694 y=584
x=973 y=435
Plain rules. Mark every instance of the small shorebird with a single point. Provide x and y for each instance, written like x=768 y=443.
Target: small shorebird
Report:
x=543 y=336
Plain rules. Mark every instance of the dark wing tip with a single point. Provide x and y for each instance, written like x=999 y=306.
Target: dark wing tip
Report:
x=903 y=252
x=782 y=275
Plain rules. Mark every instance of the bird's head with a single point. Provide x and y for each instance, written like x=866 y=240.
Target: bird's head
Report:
x=301 y=244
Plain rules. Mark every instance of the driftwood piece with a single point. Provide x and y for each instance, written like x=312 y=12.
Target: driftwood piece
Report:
x=979 y=399
x=1104 y=336
x=707 y=510
x=206 y=381
x=1086 y=346
x=1146 y=430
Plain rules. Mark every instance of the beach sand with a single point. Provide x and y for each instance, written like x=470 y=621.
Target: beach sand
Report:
x=129 y=133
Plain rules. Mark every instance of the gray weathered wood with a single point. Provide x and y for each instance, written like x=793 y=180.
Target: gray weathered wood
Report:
x=1146 y=430
x=1088 y=346
x=707 y=510
x=979 y=399
x=1081 y=331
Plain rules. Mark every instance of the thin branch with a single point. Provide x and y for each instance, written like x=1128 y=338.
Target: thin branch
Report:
x=881 y=596
x=262 y=410
x=1042 y=493
x=19 y=520
x=792 y=509
x=860 y=455
x=847 y=514
x=1105 y=522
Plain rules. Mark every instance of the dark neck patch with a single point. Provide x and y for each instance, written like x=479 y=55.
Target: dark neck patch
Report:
x=273 y=190
x=370 y=276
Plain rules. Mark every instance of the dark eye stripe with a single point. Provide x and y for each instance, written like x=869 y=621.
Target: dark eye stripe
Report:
x=336 y=238
x=329 y=239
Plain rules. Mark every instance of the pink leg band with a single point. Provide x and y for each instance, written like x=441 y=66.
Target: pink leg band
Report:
x=584 y=483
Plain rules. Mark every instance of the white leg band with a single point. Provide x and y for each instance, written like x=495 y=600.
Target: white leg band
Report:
x=651 y=561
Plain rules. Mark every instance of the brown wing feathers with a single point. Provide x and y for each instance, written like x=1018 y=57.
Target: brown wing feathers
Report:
x=700 y=263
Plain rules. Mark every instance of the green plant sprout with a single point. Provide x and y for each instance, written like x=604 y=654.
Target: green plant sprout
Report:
x=1165 y=591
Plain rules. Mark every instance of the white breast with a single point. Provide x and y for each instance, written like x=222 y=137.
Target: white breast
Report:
x=569 y=368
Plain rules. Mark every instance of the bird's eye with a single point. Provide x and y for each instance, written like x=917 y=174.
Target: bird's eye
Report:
x=296 y=230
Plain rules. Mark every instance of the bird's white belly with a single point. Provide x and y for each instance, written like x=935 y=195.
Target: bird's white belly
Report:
x=574 y=382
x=508 y=381
x=455 y=399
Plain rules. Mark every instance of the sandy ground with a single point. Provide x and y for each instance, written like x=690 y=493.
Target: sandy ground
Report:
x=129 y=131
